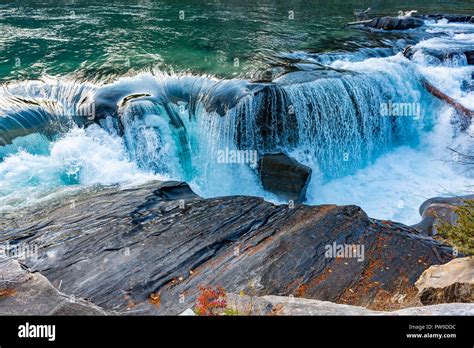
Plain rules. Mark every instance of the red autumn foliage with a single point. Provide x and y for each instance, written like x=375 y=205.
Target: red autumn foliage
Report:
x=211 y=301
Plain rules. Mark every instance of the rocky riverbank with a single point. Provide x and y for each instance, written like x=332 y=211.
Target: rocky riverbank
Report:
x=146 y=250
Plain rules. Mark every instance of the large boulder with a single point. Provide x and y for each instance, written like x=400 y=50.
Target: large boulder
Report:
x=146 y=250
x=284 y=176
x=394 y=23
x=451 y=282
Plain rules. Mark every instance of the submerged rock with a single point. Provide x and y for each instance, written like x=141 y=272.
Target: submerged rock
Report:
x=308 y=76
x=439 y=55
x=451 y=18
x=413 y=21
x=284 y=176
x=145 y=250
x=451 y=282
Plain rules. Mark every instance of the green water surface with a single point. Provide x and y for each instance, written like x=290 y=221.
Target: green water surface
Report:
x=92 y=39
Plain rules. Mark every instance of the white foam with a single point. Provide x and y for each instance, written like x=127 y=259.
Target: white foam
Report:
x=82 y=157
x=397 y=183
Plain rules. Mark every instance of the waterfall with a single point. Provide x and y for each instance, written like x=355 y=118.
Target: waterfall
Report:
x=176 y=125
x=338 y=120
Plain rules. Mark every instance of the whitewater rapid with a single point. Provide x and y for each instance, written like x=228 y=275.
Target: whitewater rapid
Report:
x=388 y=166
x=398 y=182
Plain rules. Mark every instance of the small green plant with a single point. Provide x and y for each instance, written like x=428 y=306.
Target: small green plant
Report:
x=231 y=311
x=460 y=234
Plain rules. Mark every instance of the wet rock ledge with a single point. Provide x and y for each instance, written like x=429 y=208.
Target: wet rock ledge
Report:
x=145 y=250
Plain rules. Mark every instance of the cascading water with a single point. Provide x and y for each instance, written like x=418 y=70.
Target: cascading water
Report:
x=174 y=126
x=285 y=117
x=336 y=122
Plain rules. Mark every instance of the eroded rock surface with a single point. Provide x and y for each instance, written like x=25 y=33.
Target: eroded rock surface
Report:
x=24 y=293
x=146 y=250
x=451 y=282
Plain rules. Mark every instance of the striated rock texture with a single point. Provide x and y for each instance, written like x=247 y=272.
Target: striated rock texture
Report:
x=451 y=282
x=284 y=176
x=24 y=293
x=146 y=250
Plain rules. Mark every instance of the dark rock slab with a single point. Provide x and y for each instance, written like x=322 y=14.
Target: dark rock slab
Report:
x=284 y=176
x=146 y=250
x=394 y=23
